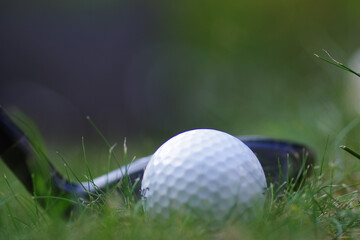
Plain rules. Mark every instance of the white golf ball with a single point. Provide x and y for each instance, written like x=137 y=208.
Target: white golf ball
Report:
x=204 y=173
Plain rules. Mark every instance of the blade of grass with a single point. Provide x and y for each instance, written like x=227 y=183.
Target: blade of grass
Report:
x=59 y=198
x=111 y=149
x=72 y=188
x=336 y=63
x=323 y=157
x=90 y=177
x=72 y=172
x=349 y=150
x=12 y=217
x=338 y=227
x=103 y=137
x=17 y=199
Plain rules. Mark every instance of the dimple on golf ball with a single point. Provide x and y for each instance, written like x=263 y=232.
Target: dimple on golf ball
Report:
x=205 y=173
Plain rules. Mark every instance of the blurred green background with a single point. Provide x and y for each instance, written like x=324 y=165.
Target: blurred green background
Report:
x=147 y=70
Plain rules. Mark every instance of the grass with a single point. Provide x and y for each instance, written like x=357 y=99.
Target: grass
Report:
x=325 y=207
x=321 y=209
x=348 y=69
x=337 y=63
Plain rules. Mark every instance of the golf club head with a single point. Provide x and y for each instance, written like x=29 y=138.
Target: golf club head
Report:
x=282 y=161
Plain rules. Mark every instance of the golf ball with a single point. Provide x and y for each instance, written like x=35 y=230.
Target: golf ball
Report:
x=204 y=173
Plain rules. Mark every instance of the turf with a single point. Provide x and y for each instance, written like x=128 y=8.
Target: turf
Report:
x=321 y=209
x=326 y=206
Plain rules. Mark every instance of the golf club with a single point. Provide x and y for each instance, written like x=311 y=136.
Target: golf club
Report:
x=281 y=161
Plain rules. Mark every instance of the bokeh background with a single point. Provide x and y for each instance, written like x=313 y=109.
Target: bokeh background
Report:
x=147 y=70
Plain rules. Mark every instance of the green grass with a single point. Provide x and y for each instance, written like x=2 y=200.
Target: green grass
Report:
x=325 y=207
x=321 y=209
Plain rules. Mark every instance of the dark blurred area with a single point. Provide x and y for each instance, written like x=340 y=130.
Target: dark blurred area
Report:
x=153 y=69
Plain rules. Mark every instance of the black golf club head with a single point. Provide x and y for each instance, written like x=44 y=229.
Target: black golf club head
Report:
x=281 y=161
